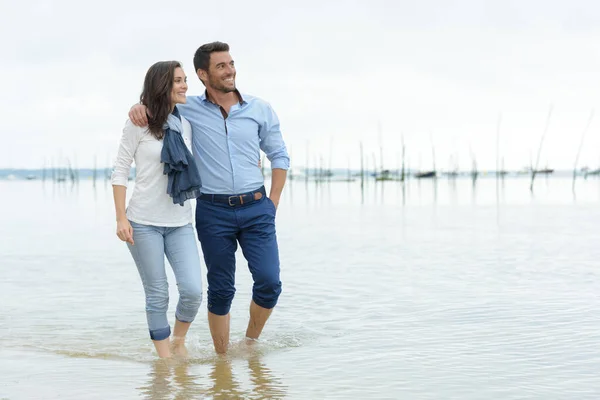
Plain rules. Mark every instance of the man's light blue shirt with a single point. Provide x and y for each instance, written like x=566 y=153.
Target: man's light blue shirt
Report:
x=227 y=150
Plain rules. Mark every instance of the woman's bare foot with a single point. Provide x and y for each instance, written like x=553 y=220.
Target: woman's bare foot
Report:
x=178 y=348
x=162 y=348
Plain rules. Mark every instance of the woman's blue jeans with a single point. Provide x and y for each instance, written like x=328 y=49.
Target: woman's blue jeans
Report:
x=151 y=244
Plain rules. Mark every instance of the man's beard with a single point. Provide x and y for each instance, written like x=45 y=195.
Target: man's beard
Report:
x=218 y=85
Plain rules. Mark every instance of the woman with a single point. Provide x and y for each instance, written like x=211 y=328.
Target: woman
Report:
x=158 y=219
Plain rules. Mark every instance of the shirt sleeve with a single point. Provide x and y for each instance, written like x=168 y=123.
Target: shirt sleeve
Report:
x=271 y=140
x=127 y=148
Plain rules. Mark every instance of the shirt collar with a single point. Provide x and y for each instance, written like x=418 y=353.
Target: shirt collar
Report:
x=176 y=113
x=206 y=97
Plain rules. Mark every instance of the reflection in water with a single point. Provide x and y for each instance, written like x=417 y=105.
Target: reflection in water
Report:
x=174 y=379
x=306 y=191
x=159 y=386
x=224 y=385
x=502 y=304
x=265 y=384
x=362 y=188
x=170 y=379
x=453 y=193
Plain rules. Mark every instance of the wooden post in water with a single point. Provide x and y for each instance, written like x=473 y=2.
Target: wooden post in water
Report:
x=374 y=165
x=107 y=170
x=398 y=162
x=402 y=176
x=498 y=146
x=380 y=149
x=329 y=172
x=76 y=167
x=474 y=172
x=306 y=170
x=362 y=167
x=581 y=146
x=534 y=170
x=70 y=171
x=316 y=170
x=95 y=172
x=433 y=155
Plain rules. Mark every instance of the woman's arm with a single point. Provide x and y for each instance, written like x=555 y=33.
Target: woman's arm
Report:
x=124 y=229
x=119 y=178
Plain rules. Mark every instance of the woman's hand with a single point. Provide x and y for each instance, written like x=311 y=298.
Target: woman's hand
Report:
x=125 y=231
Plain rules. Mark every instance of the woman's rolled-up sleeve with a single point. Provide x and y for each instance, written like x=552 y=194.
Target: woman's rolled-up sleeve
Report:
x=125 y=155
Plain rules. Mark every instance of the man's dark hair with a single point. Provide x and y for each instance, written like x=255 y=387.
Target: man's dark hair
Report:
x=202 y=56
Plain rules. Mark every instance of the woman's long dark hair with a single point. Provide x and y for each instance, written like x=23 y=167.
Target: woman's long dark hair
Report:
x=156 y=95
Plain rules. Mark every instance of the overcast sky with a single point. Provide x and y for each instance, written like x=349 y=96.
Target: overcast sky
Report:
x=337 y=73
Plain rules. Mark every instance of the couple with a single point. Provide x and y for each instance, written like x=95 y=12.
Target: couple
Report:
x=205 y=147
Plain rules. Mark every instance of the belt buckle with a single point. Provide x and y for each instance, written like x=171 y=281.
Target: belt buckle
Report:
x=231 y=204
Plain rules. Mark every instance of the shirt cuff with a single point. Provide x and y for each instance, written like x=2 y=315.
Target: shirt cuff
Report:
x=119 y=181
x=280 y=163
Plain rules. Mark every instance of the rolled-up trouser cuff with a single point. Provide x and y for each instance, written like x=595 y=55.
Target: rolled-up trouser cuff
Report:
x=184 y=319
x=220 y=309
x=265 y=304
x=160 y=334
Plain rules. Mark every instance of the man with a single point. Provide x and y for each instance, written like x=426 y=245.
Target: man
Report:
x=229 y=130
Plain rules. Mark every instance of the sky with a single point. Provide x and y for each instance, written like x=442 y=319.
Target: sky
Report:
x=470 y=77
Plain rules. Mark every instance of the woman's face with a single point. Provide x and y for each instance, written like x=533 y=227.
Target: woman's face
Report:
x=179 y=87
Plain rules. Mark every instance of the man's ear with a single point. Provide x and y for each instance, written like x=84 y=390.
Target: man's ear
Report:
x=202 y=75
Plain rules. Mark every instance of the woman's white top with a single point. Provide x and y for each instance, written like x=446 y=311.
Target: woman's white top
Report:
x=149 y=204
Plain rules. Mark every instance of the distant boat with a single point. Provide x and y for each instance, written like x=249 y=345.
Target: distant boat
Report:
x=342 y=179
x=426 y=174
x=546 y=171
x=385 y=175
x=450 y=174
x=593 y=172
x=30 y=177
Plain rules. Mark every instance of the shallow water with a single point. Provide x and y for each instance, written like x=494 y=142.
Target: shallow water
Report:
x=423 y=291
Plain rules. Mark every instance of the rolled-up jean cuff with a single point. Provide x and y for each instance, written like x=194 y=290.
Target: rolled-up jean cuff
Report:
x=160 y=334
x=183 y=319
x=265 y=304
